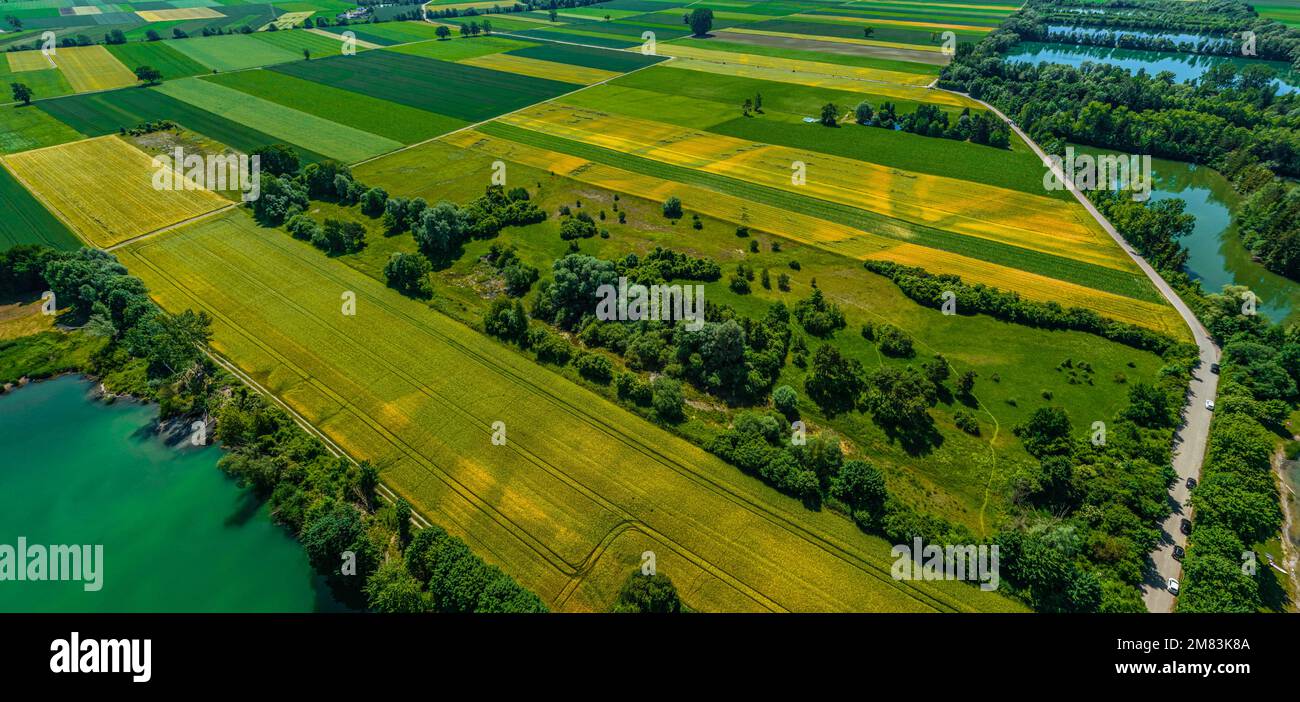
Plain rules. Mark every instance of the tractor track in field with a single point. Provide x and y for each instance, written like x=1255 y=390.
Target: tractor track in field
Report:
x=824 y=543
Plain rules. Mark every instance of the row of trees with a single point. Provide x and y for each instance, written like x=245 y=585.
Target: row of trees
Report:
x=930 y=120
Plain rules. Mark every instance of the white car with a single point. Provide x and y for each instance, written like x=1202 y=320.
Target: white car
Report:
x=1209 y=405
x=1173 y=586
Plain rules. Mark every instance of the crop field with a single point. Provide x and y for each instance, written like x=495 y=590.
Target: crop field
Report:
x=460 y=49
x=298 y=40
x=105 y=211
x=26 y=221
x=380 y=117
x=791 y=50
x=231 y=53
x=614 y=61
x=97 y=114
x=802 y=72
x=23 y=128
x=332 y=139
x=524 y=66
x=464 y=92
x=92 y=68
x=158 y=54
x=1285 y=11
x=578 y=482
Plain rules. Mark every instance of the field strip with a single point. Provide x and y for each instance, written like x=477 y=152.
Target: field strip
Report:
x=917 y=93
x=347 y=144
x=792 y=66
x=330 y=35
x=867 y=5
x=871 y=21
x=187 y=13
x=833 y=39
x=961 y=206
x=90 y=68
x=521 y=65
x=23 y=61
x=507 y=367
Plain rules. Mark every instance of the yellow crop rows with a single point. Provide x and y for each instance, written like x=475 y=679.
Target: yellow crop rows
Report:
x=20 y=61
x=185 y=13
x=972 y=209
x=834 y=40
x=92 y=68
x=103 y=189
x=799 y=68
x=536 y=68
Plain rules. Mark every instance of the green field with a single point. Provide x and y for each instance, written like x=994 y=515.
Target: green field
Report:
x=44 y=83
x=581 y=485
x=296 y=40
x=577 y=37
x=839 y=59
x=621 y=61
x=902 y=35
x=26 y=221
x=464 y=92
x=96 y=114
x=387 y=119
x=331 y=139
x=158 y=54
x=457 y=49
x=233 y=52
x=23 y=128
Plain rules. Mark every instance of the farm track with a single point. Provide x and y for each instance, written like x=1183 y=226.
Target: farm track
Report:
x=576 y=571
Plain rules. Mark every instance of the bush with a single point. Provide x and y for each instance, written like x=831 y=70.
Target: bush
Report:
x=966 y=422
x=673 y=207
x=594 y=367
x=668 y=400
x=786 y=401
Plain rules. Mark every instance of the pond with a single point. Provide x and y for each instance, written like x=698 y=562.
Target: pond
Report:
x=1183 y=66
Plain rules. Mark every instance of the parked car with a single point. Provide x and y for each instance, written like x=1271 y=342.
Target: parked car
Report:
x=1186 y=527
x=1179 y=553
x=1209 y=405
x=1214 y=368
x=1173 y=586
x=1191 y=483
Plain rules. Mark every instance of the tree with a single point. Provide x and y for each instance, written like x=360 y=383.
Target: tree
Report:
x=900 y=397
x=276 y=159
x=829 y=114
x=402 y=512
x=148 y=75
x=392 y=590
x=673 y=207
x=835 y=382
x=648 y=594
x=863 y=113
x=21 y=93
x=443 y=32
x=786 y=401
x=966 y=383
x=408 y=273
x=1046 y=432
x=440 y=230
x=867 y=32
x=701 y=21
x=151 y=35
x=667 y=399
x=861 y=486
x=1148 y=406
x=306 y=54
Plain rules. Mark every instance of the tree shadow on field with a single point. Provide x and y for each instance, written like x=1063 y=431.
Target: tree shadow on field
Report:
x=917 y=439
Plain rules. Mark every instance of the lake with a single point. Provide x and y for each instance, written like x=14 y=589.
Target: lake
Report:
x=177 y=534
x=1183 y=66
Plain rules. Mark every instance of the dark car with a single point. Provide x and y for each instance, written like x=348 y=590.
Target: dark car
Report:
x=1214 y=368
x=1186 y=526
x=1179 y=553
x=1191 y=483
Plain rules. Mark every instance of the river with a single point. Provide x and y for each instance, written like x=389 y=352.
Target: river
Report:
x=177 y=534
x=1183 y=66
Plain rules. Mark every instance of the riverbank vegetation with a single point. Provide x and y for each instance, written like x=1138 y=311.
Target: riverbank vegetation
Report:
x=363 y=545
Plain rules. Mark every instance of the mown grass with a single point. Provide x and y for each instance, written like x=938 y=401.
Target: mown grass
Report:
x=29 y=127
x=577 y=474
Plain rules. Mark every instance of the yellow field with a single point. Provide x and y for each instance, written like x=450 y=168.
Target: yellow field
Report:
x=82 y=10
x=808 y=70
x=847 y=241
x=20 y=61
x=580 y=489
x=1157 y=316
x=834 y=40
x=869 y=21
x=866 y=5
x=536 y=68
x=288 y=20
x=965 y=207
x=103 y=189
x=179 y=14
x=93 y=68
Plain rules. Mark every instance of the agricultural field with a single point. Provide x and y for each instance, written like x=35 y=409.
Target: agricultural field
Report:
x=546 y=507
x=103 y=211
x=26 y=221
